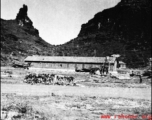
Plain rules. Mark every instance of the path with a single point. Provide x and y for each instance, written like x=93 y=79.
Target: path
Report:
x=25 y=89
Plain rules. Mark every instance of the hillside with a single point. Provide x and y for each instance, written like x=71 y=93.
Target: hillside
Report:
x=19 y=39
x=124 y=29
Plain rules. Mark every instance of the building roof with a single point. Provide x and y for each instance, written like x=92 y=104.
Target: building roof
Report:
x=121 y=62
x=71 y=59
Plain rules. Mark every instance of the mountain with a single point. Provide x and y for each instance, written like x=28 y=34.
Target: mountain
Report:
x=19 y=39
x=124 y=29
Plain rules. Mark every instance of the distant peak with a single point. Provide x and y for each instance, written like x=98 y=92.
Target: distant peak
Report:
x=22 y=13
x=22 y=16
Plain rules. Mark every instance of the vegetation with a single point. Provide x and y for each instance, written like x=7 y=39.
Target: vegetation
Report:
x=124 y=29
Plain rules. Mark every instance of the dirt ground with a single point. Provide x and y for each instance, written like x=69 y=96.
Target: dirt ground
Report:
x=86 y=101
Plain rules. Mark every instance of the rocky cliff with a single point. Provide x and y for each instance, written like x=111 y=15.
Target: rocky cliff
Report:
x=124 y=29
x=19 y=39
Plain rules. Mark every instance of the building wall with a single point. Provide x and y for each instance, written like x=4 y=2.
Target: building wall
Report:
x=79 y=66
x=88 y=66
x=53 y=65
x=72 y=66
x=96 y=65
x=122 y=65
x=111 y=67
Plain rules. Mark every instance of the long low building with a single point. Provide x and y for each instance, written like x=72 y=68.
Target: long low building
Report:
x=73 y=63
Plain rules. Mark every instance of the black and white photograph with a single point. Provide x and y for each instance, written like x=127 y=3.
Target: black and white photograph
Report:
x=76 y=60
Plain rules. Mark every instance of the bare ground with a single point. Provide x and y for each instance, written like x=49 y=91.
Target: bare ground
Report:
x=88 y=101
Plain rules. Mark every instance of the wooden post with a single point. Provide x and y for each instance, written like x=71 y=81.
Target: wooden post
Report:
x=109 y=66
x=140 y=79
x=115 y=66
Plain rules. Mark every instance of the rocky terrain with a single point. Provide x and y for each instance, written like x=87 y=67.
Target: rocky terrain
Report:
x=86 y=101
x=124 y=29
x=68 y=107
x=19 y=38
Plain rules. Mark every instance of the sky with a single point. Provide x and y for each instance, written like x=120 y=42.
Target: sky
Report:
x=58 y=21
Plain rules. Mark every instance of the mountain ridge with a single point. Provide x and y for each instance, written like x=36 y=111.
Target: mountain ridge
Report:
x=124 y=29
x=19 y=39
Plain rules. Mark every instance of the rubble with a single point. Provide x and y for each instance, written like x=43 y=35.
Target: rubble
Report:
x=48 y=79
